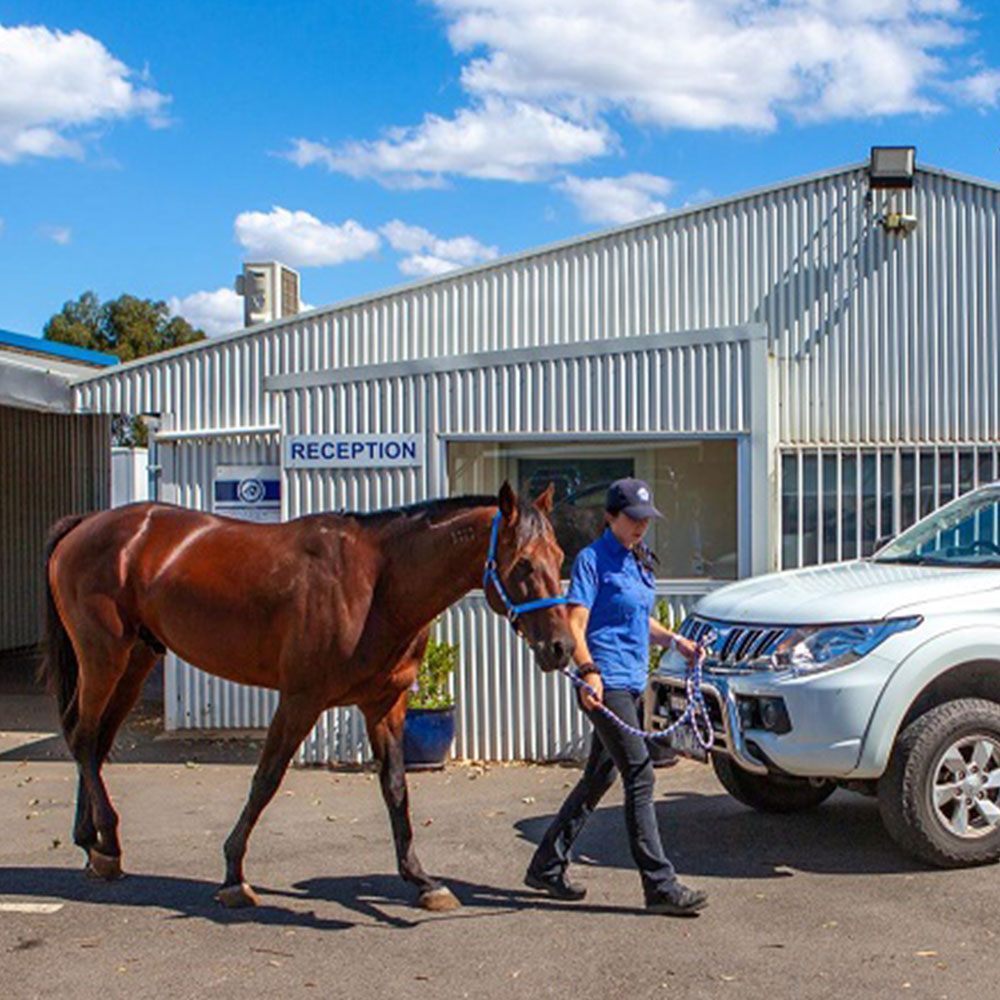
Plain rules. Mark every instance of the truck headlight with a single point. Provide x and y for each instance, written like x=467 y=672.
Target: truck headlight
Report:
x=825 y=647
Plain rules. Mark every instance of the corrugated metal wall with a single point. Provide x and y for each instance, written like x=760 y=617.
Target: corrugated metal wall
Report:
x=881 y=338
x=53 y=465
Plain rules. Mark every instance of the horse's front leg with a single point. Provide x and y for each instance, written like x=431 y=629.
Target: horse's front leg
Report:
x=292 y=721
x=385 y=730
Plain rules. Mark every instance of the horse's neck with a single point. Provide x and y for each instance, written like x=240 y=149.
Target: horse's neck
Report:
x=436 y=564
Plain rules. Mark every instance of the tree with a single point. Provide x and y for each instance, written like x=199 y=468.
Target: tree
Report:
x=127 y=327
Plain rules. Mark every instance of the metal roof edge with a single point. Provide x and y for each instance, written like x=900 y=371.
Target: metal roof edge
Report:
x=56 y=349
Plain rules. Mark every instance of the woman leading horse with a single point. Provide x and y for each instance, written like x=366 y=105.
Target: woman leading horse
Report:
x=326 y=609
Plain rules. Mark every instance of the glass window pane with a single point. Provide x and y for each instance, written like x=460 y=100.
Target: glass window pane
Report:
x=947 y=473
x=849 y=507
x=986 y=467
x=907 y=489
x=694 y=486
x=789 y=511
x=869 y=509
x=966 y=471
x=888 y=525
x=810 y=511
x=830 y=519
x=928 y=491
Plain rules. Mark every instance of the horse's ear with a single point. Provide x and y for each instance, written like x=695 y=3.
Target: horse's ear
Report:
x=508 y=502
x=544 y=500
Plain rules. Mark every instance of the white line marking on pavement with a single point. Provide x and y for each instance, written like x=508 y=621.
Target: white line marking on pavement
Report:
x=18 y=739
x=30 y=907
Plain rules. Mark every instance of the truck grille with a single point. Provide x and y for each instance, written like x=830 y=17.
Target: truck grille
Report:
x=733 y=647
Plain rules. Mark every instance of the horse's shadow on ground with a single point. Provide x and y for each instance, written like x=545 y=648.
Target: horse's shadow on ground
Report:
x=705 y=835
x=376 y=900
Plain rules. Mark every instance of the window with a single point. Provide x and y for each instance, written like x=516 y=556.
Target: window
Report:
x=693 y=482
x=838 y=503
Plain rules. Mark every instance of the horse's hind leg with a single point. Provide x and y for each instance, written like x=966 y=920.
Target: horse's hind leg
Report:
x=123 y=698
x=291 y=723
x=385 y=731
x=100 y=673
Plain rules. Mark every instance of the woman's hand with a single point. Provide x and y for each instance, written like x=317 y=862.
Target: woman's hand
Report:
x=588 y=700
x=687 y=648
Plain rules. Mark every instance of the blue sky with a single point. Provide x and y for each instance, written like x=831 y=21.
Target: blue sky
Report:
x=150 y=148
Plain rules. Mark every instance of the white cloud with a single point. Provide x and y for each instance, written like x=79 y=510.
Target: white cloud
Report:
x=62 y=235
x=422 y=265
x=544 y=81
x=428 y=255
x=58 y=87
x=982 y=89
x=302 y=240
x=680 y=63
x=494 y=140
x=616 y=199
x=215 y=312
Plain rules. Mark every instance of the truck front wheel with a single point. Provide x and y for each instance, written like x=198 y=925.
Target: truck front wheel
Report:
x=769 y=792
x=939 y=796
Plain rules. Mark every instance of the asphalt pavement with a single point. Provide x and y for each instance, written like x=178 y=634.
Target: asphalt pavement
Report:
x=818 y=905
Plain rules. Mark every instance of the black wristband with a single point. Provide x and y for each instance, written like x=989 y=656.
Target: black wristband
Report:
x=587 y=668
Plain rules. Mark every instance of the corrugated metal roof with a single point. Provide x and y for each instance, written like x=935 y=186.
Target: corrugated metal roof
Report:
x=535 y=252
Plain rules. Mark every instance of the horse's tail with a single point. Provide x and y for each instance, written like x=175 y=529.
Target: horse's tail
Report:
x=59 y=668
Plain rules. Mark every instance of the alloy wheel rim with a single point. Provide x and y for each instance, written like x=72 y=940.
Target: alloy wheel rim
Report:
x=965 y=790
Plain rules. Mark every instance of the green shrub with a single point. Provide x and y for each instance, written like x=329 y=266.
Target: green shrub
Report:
x=661 y=612
x=431 y=688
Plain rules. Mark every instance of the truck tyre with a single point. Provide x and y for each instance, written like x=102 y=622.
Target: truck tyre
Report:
x=769 y=792
x=939 y=796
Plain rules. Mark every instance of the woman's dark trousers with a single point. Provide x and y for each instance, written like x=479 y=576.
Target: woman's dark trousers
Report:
x=612 y=749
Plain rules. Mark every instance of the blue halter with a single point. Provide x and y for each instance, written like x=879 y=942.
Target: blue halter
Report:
x=490 y=575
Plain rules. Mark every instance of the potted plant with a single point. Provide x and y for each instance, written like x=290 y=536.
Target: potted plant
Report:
x=660 y=752
x=430 y=709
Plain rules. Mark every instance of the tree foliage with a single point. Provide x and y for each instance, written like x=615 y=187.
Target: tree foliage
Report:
x=127 y=327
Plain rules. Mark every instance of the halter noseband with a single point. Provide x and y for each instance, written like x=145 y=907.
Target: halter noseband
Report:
x=490 y=575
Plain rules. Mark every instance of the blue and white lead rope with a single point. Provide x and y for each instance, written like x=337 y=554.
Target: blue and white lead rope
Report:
x=695 y=714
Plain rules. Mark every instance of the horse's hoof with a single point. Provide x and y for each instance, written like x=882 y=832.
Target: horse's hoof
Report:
x=439 y=899
x=103 y=866
x=234 y=897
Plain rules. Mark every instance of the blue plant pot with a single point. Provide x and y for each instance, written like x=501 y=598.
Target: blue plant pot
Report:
x=427 y=737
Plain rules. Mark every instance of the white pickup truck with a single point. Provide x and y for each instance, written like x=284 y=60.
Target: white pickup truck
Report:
x=880 y=675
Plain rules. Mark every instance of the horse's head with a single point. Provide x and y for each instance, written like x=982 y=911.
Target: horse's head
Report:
x=528 y=564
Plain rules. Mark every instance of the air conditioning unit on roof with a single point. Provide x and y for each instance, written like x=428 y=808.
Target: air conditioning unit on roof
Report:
x=270 y=292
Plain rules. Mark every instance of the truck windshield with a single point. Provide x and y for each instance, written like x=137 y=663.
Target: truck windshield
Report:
x=965 y=532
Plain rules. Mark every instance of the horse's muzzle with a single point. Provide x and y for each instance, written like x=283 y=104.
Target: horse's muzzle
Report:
x=554 y=654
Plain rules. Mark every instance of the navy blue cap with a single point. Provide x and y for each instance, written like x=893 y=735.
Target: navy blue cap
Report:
x=632 y=497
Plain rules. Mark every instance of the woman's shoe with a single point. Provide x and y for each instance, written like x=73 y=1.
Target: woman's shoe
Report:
x=557 y=886
x=677 y=901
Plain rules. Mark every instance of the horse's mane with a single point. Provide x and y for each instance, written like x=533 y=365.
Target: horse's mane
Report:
x=431 y=510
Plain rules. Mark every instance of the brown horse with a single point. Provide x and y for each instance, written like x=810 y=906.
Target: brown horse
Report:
x=327 y=609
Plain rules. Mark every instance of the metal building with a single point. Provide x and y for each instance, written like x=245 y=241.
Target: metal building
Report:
x=52 y=462
x=799 y=369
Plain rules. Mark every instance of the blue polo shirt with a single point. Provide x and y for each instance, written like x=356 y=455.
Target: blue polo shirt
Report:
x=608 y=579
